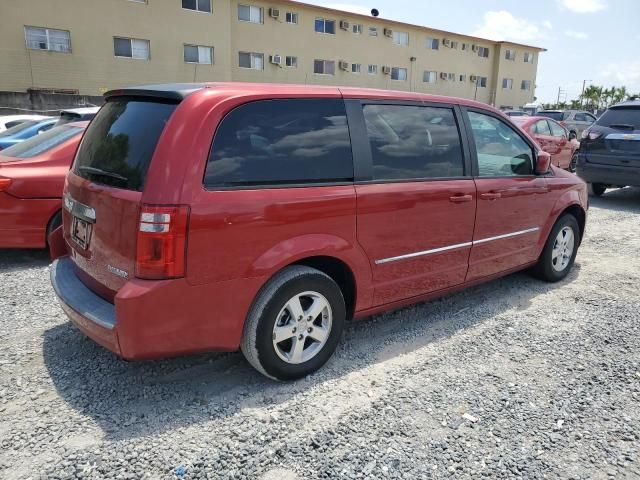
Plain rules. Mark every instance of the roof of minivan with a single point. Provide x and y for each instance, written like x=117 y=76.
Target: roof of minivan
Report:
x=628 y=103
x=180 y=91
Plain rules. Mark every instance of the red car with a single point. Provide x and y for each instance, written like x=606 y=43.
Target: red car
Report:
x=262 y=217
x=32 y=177
x=553 y=138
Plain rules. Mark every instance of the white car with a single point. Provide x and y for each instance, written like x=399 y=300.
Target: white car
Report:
x=8 y=121
x=77 y=114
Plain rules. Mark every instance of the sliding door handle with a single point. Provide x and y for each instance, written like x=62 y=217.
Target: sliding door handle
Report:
x=461 y=198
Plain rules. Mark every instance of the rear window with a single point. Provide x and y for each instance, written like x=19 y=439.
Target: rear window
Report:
x=118 y=145
x=620 y=116
x=557 y=116
x=43 y=142
x=280 y=142
x=19 y=128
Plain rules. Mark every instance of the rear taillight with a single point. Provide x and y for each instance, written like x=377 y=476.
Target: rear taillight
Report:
x=4 y=183
x=162 y=242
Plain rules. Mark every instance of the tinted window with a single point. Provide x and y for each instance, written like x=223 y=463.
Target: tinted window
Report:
x=119 y=143
x=501 y=151
x=410 y=142
x=274 y=142
x=41 y=143
x=620 y=116
x=555 y=115
x=580 y=117
x=13 y=124
x=541 y=128
x=19 y=128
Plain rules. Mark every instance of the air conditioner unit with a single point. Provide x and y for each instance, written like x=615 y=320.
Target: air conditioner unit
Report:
x=386 y=70
x=274 y=13
x=388 y=32
x=275 y=59
x=443 y=75
x=446 y=42
x=473 y=78
x=474 y=48
x=344 y=25
x=342 y=65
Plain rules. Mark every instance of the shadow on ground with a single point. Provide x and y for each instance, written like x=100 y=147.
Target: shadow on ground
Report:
x=135 y=399
x=620 y=199
x=11 y=260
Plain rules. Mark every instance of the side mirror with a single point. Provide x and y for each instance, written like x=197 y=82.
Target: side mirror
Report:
x=543 y=163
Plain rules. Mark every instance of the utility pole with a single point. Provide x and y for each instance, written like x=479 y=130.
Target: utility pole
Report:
x=560 y=93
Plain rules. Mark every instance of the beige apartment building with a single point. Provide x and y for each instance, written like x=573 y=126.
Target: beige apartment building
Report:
x=91 y=46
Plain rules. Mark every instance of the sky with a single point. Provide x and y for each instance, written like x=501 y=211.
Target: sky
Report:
x=593 y=40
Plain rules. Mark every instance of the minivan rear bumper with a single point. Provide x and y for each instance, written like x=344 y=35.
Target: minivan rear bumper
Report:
x=607 y=174
x=94 y=316
x=156 y=319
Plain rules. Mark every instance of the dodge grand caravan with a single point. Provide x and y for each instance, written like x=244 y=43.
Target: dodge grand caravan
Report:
x=262 y=217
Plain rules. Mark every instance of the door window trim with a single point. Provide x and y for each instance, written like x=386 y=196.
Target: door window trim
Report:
x=472 y=144
x=361 y=146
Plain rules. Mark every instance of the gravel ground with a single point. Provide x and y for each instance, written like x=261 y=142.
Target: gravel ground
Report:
x=515 y=378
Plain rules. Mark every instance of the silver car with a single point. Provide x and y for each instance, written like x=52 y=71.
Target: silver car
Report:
x=573 y=120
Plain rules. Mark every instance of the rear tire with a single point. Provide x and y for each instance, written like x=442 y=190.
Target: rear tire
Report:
x=295 y=324
x=596 y=189
x=559 y=252
x=54 y=223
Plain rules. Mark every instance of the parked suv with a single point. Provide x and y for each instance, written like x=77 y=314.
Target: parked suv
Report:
x=262 y=217
x=609 y=152
x=576 y=121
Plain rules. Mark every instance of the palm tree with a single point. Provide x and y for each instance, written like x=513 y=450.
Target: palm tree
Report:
x=619 y=95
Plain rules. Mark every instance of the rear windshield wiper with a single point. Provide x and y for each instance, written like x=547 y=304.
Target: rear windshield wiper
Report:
x=628 y=126
x=102 y=173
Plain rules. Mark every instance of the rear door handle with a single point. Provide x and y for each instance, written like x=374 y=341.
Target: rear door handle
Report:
x=461 y=198
x=491 y=196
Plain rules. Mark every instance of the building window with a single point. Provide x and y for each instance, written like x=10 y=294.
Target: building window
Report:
x=197 y=5
x=451 y=77
x=525 y=85
x=465 y=47
x=325 y=26
x=429 y=76
x=481 y=82
x=355 y=68
x=433 y=43
x=292 y=17
x=463 y=78
x=507 y=83
x=324 y=67
x=400 y=38
x=454 y=45
x=372 y=69
x=251 y=60
x=510 y=55
x=138 y=1
x=249 y=13
x=528 y=57
x=373 y=31
x=131 y=48
x=357 y=28
x=483 y=52
x=48 y=39
x=399 y=74
x=198 y=54
x=291 y=61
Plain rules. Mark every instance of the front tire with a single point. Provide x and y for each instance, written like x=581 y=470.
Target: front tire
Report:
x=295 y=323
x=559 y=251
x=596 y=189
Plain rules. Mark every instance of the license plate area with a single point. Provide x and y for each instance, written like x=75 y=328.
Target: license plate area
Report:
x=81 y=232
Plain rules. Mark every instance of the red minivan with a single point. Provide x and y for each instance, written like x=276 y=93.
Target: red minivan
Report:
x=231 y=216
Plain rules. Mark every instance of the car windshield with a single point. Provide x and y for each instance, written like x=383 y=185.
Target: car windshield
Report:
x=19 y=128
x=621 y=116
x=558 y=116
x=42 y=143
